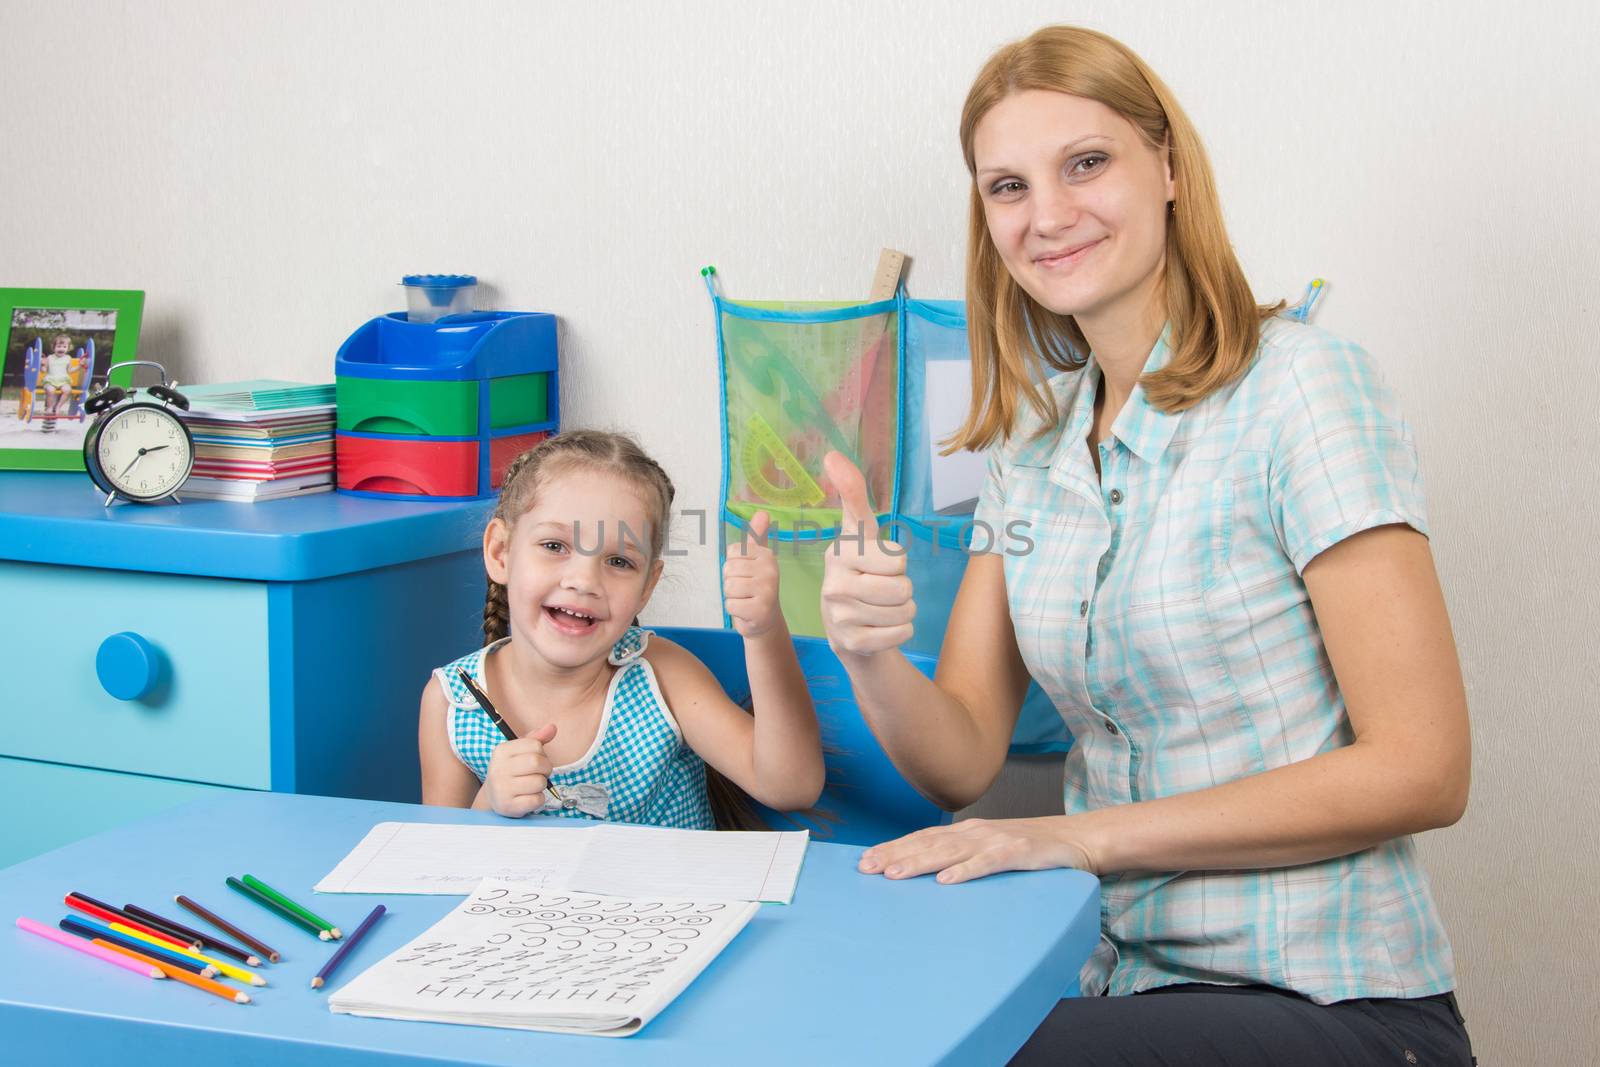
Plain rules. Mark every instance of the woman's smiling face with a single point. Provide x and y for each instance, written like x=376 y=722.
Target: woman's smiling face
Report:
x=1075 y=201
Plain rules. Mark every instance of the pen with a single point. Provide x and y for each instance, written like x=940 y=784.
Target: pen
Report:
x=494 y=716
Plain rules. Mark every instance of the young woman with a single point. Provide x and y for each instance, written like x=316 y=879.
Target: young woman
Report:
x=1224 y=585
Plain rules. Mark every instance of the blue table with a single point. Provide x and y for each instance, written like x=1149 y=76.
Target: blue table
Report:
x=856 y=970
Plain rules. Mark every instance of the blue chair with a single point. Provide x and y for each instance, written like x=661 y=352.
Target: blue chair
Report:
x=865 y=795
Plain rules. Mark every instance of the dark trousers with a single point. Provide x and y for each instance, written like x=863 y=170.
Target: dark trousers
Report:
x=1246 y=1026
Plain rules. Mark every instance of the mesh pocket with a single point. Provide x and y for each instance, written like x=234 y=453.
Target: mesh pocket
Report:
x=798 y=383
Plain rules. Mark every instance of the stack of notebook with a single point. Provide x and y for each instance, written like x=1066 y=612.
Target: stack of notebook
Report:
x=260 y=440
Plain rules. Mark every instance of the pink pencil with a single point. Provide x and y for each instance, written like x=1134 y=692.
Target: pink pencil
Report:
x=52 y=934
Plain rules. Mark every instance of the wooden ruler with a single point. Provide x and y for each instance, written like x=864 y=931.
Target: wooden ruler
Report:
x=875 y=379
x=886 y=279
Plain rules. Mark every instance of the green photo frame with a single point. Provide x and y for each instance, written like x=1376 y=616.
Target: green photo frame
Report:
x=56 y=348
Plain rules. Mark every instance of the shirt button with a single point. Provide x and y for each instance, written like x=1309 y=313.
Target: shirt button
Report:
x=1116 y=496
x=1111 y=727
x=1083 y=609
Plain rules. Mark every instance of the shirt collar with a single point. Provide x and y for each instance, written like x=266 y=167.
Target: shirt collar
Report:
x=1145 y=429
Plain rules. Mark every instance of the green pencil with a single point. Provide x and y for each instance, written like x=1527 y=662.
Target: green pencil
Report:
x=278 y=909
x=267 y=891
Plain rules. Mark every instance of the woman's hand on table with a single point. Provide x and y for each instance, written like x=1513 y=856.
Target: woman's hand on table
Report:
x=974 y=848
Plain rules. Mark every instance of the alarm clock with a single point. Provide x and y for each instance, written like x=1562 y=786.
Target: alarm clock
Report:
x=138 y=449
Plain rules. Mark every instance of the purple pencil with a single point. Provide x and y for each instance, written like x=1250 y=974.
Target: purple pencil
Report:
x=350 y=942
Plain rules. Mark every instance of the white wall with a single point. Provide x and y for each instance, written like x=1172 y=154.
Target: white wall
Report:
x=267 y=171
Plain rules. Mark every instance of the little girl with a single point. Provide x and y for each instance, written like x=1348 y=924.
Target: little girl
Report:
x=611 y=723
x=57 y=378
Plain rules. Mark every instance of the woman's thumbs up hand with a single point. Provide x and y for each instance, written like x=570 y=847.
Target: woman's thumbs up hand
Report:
x=866 y=596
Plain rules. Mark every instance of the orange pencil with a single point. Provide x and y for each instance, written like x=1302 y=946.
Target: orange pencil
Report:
x=215 y=988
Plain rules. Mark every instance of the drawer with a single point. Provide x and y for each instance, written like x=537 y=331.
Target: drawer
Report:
x=386 y=405
x=67 y=803
x=518 y=400
x=407 y=466
x=205 y=719
x=502 y=450
x=439 y=408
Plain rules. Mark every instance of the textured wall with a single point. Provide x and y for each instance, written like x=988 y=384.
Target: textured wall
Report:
x=267 y=171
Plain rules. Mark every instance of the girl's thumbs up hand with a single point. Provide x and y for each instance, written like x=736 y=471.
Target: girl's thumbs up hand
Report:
x=866 y=597
x=750 y=581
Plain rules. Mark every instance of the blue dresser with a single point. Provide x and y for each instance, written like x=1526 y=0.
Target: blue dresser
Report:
x=154 y=655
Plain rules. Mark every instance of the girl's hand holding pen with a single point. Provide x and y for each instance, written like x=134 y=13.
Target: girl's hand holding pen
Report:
x=519 y=774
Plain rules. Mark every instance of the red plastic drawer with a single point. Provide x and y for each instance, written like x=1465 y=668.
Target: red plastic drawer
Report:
x=502 y=450
x=401 y=466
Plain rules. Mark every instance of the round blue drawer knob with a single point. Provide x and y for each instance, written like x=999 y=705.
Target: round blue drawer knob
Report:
x=127 y=665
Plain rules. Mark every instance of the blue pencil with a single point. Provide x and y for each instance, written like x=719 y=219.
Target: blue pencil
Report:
x=344 y=949
x=91 y=929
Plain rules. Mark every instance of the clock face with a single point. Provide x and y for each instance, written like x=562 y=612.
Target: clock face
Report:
x=144 y=452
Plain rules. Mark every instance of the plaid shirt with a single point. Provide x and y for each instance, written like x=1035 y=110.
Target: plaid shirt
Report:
x=1161 y=607
x=649 y=773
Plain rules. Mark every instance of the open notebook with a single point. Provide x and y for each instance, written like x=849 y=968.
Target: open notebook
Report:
x=530 y=958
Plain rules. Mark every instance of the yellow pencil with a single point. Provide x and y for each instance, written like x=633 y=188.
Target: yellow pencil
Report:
x=238 y=974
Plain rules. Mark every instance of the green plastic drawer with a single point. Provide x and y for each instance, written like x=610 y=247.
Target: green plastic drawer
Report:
x=519 y=400
x=439 y=409
x=64 y=804
x=381 y=405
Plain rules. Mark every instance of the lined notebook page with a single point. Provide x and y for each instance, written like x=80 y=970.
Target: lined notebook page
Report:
x=412 y=857
x=645 y=861
x=710 y=864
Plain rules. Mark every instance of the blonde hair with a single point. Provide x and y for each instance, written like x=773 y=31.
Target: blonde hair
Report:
x=1214 y=318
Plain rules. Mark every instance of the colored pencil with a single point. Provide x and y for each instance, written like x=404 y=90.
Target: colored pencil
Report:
x=238 y=974
x=160 y=926
x=206 y=942
x=114 y=915
x=344 y=950
x=88 y=948
x=265 y=950
x=216 y=988
x=93 y=931
x=261 y=887
x=278 y=910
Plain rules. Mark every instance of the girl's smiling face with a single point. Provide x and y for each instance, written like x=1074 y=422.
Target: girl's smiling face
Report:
x=63 y=346
x=576 y=565
x=1075 y=202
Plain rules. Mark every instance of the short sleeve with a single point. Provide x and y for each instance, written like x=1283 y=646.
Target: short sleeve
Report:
x=989 y=517
x=1343 y=458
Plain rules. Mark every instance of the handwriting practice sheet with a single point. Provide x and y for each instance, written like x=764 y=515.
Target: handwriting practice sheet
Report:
x=537 y=958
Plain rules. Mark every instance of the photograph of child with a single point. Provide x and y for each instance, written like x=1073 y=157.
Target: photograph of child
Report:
x=54 y=360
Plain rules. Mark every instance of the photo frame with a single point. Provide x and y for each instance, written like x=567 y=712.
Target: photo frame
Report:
x=56 y=348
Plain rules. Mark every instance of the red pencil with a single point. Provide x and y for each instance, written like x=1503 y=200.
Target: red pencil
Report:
x=115 y=915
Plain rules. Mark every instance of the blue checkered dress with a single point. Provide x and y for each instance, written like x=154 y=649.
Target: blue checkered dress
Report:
x=1161 y=607
x=638 y=754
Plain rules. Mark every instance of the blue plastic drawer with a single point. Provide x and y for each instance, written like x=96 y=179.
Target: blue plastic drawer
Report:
x=66 y=803
x=206 y=717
